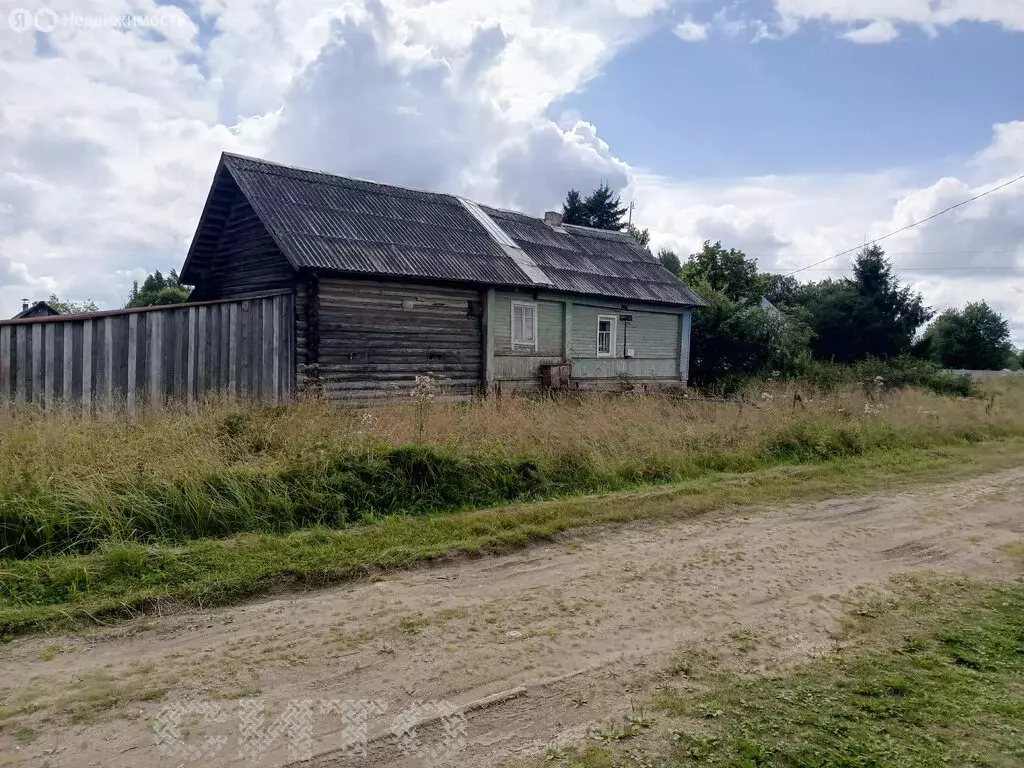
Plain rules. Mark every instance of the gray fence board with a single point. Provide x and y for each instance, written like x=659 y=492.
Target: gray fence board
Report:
x=179 y=353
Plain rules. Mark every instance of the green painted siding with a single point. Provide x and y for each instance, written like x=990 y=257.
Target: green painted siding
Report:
x=651 y=335
x=550 y=327
x=656 y=336
x=634 y=368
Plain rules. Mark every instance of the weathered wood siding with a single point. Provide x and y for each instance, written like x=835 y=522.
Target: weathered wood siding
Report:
x=152 y=356
x=247 y=260
x=375 y=337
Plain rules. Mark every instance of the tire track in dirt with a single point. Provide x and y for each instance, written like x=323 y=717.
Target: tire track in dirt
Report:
x=584 y=626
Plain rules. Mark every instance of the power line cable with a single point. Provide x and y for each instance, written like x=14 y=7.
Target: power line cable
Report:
x=909 y=226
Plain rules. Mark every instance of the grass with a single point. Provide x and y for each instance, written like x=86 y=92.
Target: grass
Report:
x=107 y=516
x=124 y=579
x=936 y=680
x=71 y=485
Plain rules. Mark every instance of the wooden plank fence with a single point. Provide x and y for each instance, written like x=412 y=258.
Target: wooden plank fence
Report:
x=152 y=356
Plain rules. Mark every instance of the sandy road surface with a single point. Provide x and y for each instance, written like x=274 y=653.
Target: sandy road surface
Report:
x=561 y=637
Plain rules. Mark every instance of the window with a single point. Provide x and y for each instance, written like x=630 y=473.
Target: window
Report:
x=524 y=325
x=606 y=335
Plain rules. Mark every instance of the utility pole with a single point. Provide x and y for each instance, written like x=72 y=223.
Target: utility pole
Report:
x=632 y=205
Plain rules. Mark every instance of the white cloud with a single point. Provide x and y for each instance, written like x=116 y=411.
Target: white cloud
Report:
x=927 y=14
x=975 y=252
x=110 y=138
x=881 y=31
x=691 y=31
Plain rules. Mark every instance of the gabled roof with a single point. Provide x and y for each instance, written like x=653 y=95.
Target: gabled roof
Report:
x=39 y=309
x=322 y=221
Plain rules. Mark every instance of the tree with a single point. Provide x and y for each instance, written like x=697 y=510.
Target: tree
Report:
x=642 y=236
x=783 y=290
x=601 y=209
x=729 y=272
x=975 y=338
x=867 y=315
x=670 y=261
x=604 y=209
x=158 y=291
x=896 y=312
x=573 y=211
x=66 y=307
x=730 y=338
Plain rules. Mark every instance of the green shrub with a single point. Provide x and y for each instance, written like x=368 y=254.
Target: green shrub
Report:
x=953 y=384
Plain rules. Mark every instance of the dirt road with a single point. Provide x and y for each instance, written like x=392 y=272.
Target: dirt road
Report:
x=538 y=647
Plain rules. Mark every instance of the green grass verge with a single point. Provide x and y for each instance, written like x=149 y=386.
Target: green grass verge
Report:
x=936 y=680
x=122 y=580
x=43 y=513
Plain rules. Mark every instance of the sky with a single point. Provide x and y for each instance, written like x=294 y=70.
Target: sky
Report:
x=791 y=129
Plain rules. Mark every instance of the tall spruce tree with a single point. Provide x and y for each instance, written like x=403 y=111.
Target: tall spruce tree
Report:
x=604 y=209
x=868 y=315
x=573 y=211
x=601 y=209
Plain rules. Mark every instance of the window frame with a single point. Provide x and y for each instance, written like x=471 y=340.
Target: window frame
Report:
x=532 y=306
x=612 y=335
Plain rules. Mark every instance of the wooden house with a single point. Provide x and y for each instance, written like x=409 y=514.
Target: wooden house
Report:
x=392 y=283
x=39 y=309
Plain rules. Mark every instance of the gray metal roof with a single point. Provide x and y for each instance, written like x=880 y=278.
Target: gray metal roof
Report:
x=322 y=221
x=594 y=261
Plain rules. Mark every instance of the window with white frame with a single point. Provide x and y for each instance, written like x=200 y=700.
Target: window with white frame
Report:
x=524 y=324
x=606 y=335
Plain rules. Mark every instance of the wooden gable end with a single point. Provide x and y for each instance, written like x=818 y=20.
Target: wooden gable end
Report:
x=233 y=254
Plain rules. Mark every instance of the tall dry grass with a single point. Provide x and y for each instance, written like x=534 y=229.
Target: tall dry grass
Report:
x=71 y=484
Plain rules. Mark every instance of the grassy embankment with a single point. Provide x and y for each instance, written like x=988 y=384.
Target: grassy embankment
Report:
x=932 y=678
x=107 y=516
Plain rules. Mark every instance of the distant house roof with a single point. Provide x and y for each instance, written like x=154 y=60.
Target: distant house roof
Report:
x=39 y=309
x=770 y=308
x=322 y=221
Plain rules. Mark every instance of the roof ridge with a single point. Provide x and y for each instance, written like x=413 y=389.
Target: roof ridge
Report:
x=337 y=176
x=597 y=229
x=453 y=197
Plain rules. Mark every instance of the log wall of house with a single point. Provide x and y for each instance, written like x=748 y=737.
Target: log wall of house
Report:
x=375 y=337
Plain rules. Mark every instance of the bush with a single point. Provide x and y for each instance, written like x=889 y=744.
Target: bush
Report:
x=873 y=374
x=890 y=374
